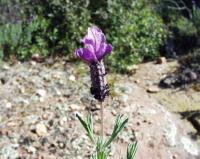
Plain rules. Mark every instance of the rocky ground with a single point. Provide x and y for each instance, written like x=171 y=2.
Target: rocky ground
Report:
x=39 y=101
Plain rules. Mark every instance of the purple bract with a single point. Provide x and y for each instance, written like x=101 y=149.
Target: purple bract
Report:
x=95 y=46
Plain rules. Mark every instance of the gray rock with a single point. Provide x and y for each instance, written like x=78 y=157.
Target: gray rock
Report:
x=10 y=151
x=189 y=146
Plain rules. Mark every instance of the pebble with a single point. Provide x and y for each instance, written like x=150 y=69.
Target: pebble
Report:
x=72 y=78
x=162 y=60
x=61 y=145
x=41 y=92
x=5 y=67
x=132 y=69
x=41 y=129
x=153 y=89
x=33 y=63
x=114 y=113
x=22 y=90
x=11 y=124
x=62 y=121
x=31 y=149
x=45 y=116
x=75 y=107
x=193 y=76
x=9 y=105
x=37 y=58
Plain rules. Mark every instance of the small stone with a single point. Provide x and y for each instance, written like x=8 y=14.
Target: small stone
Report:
x=193 y=76
x=151 y=144
x=45 y=116
x=37 y=58
x=72 y=78
x=33 y=63
x=108 y=132
x=5 y=67
x=41 y=99
x=31 y=149
x=161 y=60
x=11 y=124
x=45 y=155
x=138 y=123
x=174 y=157
x=153 y=89
x=137 y=81
x=114 y=113
x=144 y=121
x=41 y=130
x=31 y=119
x=22 y=90
x=41 y=92
x=75 y=107
x=63 y=121
x=61 y=145
x=9 y=105
x=3 y=80
x=132 y=69
x=57 y=92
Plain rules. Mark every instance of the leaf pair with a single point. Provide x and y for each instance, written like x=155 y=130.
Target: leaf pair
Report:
x=102 y=146
x=88 y=125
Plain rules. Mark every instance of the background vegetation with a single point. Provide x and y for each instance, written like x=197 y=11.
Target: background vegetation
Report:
x=138 y=29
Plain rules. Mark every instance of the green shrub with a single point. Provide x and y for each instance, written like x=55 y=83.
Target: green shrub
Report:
x=47 y=27
x=135 y=31
x=55 y=27
x=182 y=17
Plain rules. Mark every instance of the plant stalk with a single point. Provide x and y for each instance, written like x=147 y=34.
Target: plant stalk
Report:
x=102 y=119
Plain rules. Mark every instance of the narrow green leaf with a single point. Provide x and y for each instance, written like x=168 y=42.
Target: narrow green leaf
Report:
x=131 y=150
x=120 y=123
x=88 y=126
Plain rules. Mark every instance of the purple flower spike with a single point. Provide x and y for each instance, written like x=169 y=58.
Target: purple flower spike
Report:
x=95 y=46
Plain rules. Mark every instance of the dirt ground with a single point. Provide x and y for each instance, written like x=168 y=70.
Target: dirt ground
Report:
x=39 y=102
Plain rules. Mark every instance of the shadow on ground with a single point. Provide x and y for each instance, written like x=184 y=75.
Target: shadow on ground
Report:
x=188 y=73
x=194 y=118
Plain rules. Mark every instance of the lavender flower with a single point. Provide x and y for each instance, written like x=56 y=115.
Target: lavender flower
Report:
x=95 y=46
x=95 y=49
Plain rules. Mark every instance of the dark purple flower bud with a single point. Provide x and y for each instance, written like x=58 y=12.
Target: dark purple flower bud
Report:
x=99 y=88
x=95 y=49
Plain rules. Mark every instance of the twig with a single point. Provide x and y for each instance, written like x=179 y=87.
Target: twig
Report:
x=102 y=120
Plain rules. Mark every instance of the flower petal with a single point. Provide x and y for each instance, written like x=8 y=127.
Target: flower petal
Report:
x=90 y=48
x=109 y=48
x=88 y=40
x=96 y=35
x=95 y=46
x=85 y=54
x=104 y=50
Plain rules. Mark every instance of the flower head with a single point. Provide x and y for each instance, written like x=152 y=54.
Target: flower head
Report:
x=95 y=46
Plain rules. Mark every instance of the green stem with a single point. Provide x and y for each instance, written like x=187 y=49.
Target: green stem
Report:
x=102 y=121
